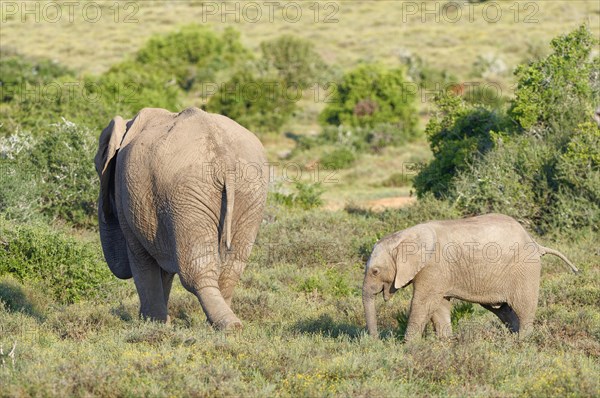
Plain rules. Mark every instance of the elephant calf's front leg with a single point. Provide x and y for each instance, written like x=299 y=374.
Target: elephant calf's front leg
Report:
x=422 y=309
x=441 y=319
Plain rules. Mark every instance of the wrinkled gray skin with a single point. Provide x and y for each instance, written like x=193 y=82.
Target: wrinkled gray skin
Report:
x=180 y=193
x=490 y=260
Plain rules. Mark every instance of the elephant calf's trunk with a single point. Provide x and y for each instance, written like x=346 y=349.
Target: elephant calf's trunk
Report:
x=369 y=304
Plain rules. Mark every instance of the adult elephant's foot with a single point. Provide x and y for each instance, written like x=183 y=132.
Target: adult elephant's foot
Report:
x=218 y=313
x=231 y=323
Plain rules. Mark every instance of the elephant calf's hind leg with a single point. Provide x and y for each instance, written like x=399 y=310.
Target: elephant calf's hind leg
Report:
x=506 y=315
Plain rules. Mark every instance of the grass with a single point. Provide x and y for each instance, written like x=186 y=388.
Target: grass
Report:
x=93 y=47
x=304 y=333
x=76 y=327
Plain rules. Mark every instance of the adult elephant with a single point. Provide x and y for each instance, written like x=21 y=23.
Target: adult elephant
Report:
x=180 y=193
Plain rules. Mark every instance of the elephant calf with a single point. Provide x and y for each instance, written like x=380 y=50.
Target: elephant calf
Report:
x=490 y=260
x=180 y=193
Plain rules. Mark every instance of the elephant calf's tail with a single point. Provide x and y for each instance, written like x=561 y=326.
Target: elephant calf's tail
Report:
x=230 y=197
x=547 y=250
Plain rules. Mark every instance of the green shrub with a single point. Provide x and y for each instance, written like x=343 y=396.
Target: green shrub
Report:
x=457 y=135
x=557 y=92
x=260 y=104
x=51 y=176
x=486 y=162
x=487 y=95
x=293 y=60
x=29 y=91
x=63 y=159
x=307 y=196
x=577 y=178
x=128 y=87
x=18 y=72
x=372 y=94
x=506 y=180
x=64 y=267
x=546 y=175
x=426 y=76
x=19 y=196
x=339 y=158
x=526 y=178
x=192 y=55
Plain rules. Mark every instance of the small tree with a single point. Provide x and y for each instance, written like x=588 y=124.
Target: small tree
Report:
x=369 y=95
x=293 y=60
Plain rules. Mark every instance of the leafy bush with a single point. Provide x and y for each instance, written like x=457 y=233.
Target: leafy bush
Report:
x=351 y=141
x=52 y=175
x=426 y=76
x=504 y=181
x=557 y=92
x=294 y=60
x=372 y=94
x=577 y=179
x=542 y=169
x=63 y=159
x=484 y=94
x=457 y=135
x=192 y=55
x=66 y=268
x=19 y=196
x=17 y=72
x=339 y=158
x=260 y=104
x=307 y=196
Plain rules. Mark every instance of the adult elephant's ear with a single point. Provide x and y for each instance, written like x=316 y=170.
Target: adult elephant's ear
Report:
x=113 y=241
x=416 y=249
x=108 y=145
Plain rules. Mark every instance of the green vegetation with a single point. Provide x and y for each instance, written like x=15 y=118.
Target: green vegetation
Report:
x=263 y=95
x=539 y=161
x=46 y=177
x=66 y=269
x=259 y=104
x=369 y=95
x=307 y=196
x=534 y=157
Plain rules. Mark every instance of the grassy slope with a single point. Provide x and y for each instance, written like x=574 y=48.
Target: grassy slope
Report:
x=303 y=335
x=365 y=31
x=302 y=311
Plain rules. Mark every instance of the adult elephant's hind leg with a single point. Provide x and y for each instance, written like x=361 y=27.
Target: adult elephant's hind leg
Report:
x=201 y=277
x=229 y=278
x=148 y=278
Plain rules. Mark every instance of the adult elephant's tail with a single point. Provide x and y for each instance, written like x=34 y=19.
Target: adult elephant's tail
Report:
x=230 y=197
x=546 y=250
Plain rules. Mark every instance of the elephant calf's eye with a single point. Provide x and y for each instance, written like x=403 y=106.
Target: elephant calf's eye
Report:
x=375 y=272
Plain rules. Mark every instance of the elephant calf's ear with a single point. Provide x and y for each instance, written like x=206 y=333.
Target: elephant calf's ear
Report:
x=108 y=145
x=415 y=250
